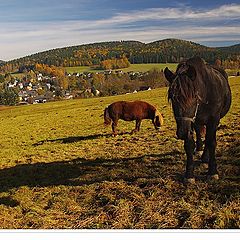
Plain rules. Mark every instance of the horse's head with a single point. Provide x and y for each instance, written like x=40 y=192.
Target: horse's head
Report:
x=107 y=119
x=158 y=120
x=184 y=98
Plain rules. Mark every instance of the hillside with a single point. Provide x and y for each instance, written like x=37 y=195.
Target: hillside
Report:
x=231 y=49
x=61 y=169
x=168 y=50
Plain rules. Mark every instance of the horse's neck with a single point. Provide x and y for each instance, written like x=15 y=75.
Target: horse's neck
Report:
x=202 y=90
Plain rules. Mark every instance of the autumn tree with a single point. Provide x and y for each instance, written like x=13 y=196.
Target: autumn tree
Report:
x=218 y=62
x=98 y=81
x=115 y=63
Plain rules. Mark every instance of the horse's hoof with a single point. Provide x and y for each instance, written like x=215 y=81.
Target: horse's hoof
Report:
x=189 y=180
x=205 y=165
x=199 y=153
x=213 y=177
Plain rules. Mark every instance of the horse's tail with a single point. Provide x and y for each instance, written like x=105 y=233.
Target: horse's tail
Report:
x=107 y=119
x=159 y=117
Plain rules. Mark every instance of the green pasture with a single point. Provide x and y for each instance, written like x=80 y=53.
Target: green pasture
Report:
x=133 y=67
x=18 y=75
x=60 y=168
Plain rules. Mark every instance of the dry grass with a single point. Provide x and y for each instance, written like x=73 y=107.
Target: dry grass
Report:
x=60 y=168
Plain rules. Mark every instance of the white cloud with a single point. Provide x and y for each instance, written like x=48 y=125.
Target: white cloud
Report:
x=226 y=11
x=23 y=38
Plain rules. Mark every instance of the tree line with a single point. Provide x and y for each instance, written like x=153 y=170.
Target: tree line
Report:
x=164 y=51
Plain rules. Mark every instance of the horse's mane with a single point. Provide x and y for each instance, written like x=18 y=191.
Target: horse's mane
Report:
x=184 y=89
x=219 y=69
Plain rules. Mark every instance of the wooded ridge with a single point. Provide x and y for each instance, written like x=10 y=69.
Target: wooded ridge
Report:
x=162 y=51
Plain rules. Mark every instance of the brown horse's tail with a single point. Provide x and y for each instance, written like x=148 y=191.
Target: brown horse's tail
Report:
x=107 y=119
x=159 y=118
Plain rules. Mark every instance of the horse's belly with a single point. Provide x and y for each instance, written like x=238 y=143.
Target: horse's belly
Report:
x=128 y=118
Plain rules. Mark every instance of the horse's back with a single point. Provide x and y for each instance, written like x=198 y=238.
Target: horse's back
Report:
x=215 y=87
x=131 y=110
x=222 y=89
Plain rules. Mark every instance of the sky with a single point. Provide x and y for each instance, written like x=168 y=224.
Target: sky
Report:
x=31 y=26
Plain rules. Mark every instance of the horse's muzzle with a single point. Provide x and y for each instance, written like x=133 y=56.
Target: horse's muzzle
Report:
x=107 y=123
x=181 y=136
x=184 y=135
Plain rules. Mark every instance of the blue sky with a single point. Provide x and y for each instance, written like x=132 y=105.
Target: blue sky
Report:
x=30 y=26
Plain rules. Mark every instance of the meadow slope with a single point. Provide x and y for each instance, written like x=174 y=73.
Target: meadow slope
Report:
x=133 y=67
x=60 y=168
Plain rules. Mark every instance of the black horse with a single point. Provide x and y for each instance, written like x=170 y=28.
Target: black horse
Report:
x=200 y=96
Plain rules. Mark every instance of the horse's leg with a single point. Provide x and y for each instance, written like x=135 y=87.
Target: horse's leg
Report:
x=189 y=146
x=114 y=126
x=137 y=126
x=205 y=155
x=199 y=133
x=211 y=144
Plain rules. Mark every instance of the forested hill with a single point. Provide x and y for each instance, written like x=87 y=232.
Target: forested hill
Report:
x=235 y=49
x=168 y=50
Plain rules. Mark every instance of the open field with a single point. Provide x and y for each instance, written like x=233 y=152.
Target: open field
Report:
x=60 y=168
x=133 y=67
x=18 y=75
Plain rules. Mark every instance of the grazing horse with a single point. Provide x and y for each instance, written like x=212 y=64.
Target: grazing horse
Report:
x=130 y=111
x=200 y=95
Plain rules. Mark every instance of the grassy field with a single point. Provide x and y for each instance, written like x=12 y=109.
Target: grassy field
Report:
x=60 y=168
x=133 y=67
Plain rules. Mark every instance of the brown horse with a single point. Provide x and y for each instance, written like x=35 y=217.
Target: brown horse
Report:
x=130 y=111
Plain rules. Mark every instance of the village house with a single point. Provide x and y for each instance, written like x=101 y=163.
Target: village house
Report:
x=39 y=99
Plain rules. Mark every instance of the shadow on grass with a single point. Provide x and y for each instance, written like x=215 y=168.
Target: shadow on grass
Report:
x=73 y=139
x=82 y=171
x=142 y=171
x=7 y=201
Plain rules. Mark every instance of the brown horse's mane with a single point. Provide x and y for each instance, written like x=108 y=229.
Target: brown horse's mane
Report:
x=183 y=89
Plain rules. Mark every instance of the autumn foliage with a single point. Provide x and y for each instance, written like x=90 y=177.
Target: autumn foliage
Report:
x=115 y=63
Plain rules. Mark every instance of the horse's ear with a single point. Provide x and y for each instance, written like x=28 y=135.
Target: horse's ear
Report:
x=169 y=75
x=191 y=72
